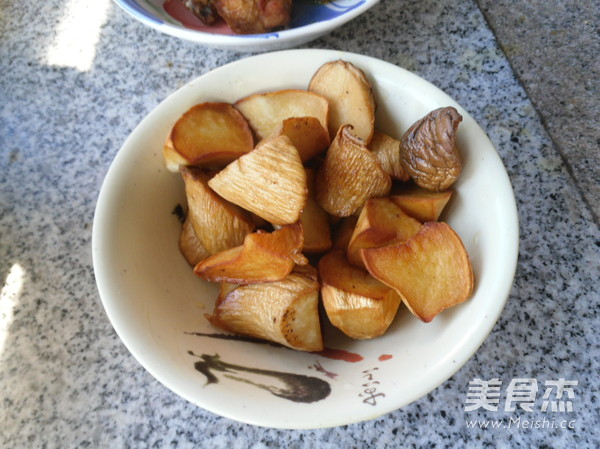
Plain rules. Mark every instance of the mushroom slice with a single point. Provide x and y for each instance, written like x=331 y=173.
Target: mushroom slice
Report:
x=218 y=224
x=423 y=205
x=307 y=134
x=315 y=221
x=190 y=246
x=270 y=181
x=285 y=311
x=350 y=175
x=350 y=97
x=207 y=135
x=387 y=151
x=431 y=271
x=380 y=223
x=264 y=257
x=355 y=302
x=265 y=112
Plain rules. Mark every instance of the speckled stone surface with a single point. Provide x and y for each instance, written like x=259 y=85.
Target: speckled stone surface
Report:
x=559 y=68
x=66 y=380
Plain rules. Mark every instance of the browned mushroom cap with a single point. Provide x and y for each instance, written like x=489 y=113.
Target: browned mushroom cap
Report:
x=428 y=151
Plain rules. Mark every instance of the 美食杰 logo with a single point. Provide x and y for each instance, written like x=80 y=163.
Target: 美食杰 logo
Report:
x=550 y=398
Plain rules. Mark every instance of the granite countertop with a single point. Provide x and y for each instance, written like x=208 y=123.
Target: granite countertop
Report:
x=519 y=69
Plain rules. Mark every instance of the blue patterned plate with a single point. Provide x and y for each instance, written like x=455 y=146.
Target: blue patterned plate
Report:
x=310 y=20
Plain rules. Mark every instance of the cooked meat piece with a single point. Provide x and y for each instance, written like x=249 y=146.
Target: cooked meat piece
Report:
x=254 y=16
x=204 y=10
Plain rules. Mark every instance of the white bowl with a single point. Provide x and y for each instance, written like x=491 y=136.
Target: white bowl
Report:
x=156 y=304
x=310 y=20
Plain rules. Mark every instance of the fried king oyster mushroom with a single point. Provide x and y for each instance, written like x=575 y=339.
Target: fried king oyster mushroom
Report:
x=428 y=151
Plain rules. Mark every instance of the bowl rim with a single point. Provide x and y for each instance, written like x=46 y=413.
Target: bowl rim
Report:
x=475 y=337
x=312 y=30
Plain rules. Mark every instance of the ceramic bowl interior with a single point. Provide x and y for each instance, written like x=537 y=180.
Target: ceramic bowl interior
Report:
x=157 y=305
x=310 y=20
